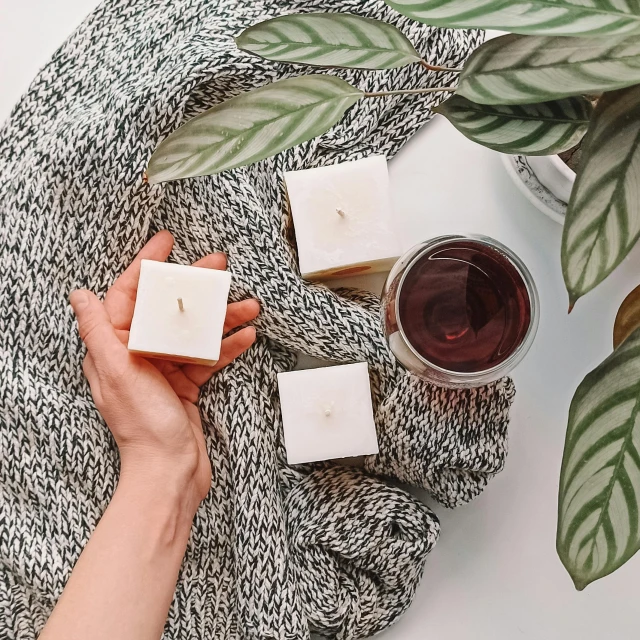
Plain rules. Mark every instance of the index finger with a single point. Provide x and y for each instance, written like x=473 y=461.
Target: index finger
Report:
x=121 y=297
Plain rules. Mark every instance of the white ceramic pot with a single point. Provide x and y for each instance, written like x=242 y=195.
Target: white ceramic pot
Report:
x=554 y=174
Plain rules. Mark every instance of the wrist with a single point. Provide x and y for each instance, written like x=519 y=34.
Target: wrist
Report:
x=160 y=492
x=182 y=473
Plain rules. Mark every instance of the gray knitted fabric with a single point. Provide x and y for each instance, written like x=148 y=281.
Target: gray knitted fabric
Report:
x=275 y=551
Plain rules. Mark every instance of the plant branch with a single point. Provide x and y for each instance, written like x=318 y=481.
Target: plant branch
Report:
x=433 y=67
x=403 y=92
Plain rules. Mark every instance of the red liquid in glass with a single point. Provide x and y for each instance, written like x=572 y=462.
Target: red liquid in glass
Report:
x=464 y=306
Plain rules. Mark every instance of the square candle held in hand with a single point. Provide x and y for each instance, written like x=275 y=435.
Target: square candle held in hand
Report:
x=179 y=313
x=342 y=218
x=327 y=413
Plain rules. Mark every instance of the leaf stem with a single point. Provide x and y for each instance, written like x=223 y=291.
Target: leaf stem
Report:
x=403 y=92
x=433 y=67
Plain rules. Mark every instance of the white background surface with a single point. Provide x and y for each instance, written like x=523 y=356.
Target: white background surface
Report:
x=494 y=575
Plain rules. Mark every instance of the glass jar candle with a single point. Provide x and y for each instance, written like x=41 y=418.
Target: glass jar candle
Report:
x=460 y=311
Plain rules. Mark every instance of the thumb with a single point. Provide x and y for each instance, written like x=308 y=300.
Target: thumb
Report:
x=94 y=326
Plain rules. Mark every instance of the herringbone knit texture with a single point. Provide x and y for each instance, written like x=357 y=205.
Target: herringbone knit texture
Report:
x=274 y=551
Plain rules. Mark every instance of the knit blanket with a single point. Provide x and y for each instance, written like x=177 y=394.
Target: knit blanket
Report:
x=276 y=552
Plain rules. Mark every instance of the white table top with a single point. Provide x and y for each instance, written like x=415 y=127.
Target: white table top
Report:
x=494 y=575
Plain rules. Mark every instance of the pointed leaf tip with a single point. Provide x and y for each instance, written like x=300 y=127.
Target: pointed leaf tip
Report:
x=276 y=117
x=598 y=519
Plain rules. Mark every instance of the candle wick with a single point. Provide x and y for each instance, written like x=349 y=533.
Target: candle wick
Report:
x=180 y=305
x=340 y=212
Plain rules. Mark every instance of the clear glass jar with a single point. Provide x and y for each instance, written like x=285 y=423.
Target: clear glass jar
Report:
x=470 y=303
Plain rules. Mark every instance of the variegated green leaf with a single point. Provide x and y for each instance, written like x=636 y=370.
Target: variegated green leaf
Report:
x=524 y=69
x=547 y=17
x=598 y=510
x=533 y=129
x=252 y=126
x=603 y=215
x=329 y=40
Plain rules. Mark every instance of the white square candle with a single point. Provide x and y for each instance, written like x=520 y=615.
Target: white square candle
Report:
x=327 y=413
x=179 y=313
x=342 y=218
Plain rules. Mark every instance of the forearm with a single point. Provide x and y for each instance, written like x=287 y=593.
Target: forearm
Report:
x=123 y=583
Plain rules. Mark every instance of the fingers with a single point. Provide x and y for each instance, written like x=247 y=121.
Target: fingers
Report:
x=197 y=373
x=239 y=313
x=231 y=348
x=216 y=261
x=95 y=328
x=120 y=303
x=181 y=384
x=90 y=371
x=121 y=297
x=184 y=388
x=234 y=346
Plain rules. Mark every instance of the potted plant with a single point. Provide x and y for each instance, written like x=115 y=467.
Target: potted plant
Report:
x=523 y=93
x=546 y=181
x=556 y=175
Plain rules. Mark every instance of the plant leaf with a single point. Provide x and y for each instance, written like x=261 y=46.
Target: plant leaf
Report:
x=252 y=126
x=603 y=216
x=533 y=129
x=329 y=40
x=557 y=17
x=627 y=318
x=524 y=69
x=598 y=518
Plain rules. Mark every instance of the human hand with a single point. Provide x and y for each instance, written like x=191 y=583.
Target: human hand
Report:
x=150 y=405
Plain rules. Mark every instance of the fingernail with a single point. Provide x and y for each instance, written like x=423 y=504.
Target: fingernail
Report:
x=79 y=300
